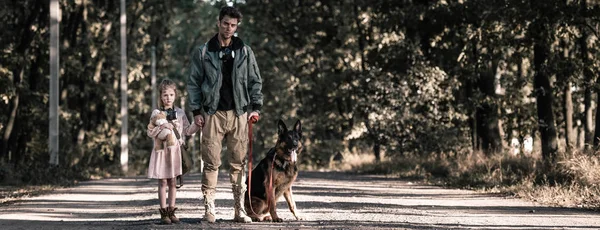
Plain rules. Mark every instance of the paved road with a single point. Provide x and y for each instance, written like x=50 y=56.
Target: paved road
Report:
x=327 y=200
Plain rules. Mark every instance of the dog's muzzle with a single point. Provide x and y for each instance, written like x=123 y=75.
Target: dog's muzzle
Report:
x=293 y=155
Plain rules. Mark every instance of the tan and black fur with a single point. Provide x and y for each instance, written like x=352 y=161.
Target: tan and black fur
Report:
x=284 y=170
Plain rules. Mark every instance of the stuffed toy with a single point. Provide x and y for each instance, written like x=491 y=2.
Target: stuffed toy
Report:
x=165 y=135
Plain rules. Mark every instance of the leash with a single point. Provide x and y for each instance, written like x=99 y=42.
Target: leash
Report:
x=250 y=166
x=270 y=190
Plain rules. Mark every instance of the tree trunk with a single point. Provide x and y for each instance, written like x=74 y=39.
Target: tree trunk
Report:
x=78 y=154
x=53 y=137
x=475 y=140
x=486 y=114
x=124 y=156
x=488 y=117
x=468 y=91
x=589 y=76
x=588 y=114
x=587 y=99
x=489 y=128
x=568 y=113
x=361 y=47
x=153 y=79
x=522 y=131
x=597 y=132
x=544 y=97
x=22 y=52
x=580 y=136
x=9 y=127
x=568 y=102
x=377 y=152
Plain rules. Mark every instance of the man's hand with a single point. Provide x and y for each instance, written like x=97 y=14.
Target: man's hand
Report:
x=199 y=120
x=253 y=117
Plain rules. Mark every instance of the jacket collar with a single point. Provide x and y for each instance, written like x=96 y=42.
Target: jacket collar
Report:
x=214 y=46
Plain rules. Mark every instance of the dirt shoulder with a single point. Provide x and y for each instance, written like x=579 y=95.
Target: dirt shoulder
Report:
x=328 y=200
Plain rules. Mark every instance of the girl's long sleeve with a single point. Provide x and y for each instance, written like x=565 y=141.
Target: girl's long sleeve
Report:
x=187 y=128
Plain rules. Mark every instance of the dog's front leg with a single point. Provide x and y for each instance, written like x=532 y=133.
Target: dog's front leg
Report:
x=289 y=198
x=273 y=207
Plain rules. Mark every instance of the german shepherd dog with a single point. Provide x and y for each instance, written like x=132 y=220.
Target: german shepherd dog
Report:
x=279 y=169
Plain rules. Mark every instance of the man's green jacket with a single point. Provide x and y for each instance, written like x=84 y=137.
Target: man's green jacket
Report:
x=205 y=78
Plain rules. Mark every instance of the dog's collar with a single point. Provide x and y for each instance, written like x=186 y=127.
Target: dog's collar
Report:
x=278 y=162
x=281 y=163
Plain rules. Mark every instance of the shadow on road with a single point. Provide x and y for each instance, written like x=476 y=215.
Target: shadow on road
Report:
x=329 y=200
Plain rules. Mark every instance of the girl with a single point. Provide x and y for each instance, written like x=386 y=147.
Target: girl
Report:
x=165 y=164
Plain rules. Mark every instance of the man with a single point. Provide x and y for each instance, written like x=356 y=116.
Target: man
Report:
x=225 y=84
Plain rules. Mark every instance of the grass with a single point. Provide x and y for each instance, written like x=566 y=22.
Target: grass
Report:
x=571 y=182
x=13 y=192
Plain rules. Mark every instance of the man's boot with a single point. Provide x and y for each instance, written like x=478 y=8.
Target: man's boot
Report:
x=238 y=197
x=209 y=206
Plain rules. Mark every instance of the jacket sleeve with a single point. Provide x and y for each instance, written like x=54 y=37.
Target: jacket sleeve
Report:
x=254 y=82
x=195 y=81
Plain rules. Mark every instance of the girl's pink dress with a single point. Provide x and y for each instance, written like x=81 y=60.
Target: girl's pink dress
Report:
x=166 y=163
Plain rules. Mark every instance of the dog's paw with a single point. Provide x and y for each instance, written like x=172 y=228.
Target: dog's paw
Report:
x=300 y=217
x=277 y=219
x=256 y=219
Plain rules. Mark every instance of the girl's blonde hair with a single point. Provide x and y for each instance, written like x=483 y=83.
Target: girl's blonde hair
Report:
x=164 y=85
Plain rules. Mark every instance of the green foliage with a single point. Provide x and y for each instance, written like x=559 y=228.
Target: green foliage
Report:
x=89 y=98
x=405 y=77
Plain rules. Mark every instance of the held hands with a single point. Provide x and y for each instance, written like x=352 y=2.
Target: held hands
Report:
x=195 y=126
x=253 y=117
x=199 y=120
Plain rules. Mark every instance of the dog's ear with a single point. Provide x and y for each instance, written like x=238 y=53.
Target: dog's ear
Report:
x=298 y=128
x=282 y=128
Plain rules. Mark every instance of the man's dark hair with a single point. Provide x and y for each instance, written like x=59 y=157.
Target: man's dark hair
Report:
x=232 y=12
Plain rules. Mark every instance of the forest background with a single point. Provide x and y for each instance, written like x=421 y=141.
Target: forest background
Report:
x=499 y=95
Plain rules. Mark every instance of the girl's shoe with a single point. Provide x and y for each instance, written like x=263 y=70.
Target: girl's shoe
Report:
x=172 y=216
x=164 y=215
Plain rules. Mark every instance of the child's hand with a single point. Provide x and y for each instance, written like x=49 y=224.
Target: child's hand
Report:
x=199 y=120
x=167 y=126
